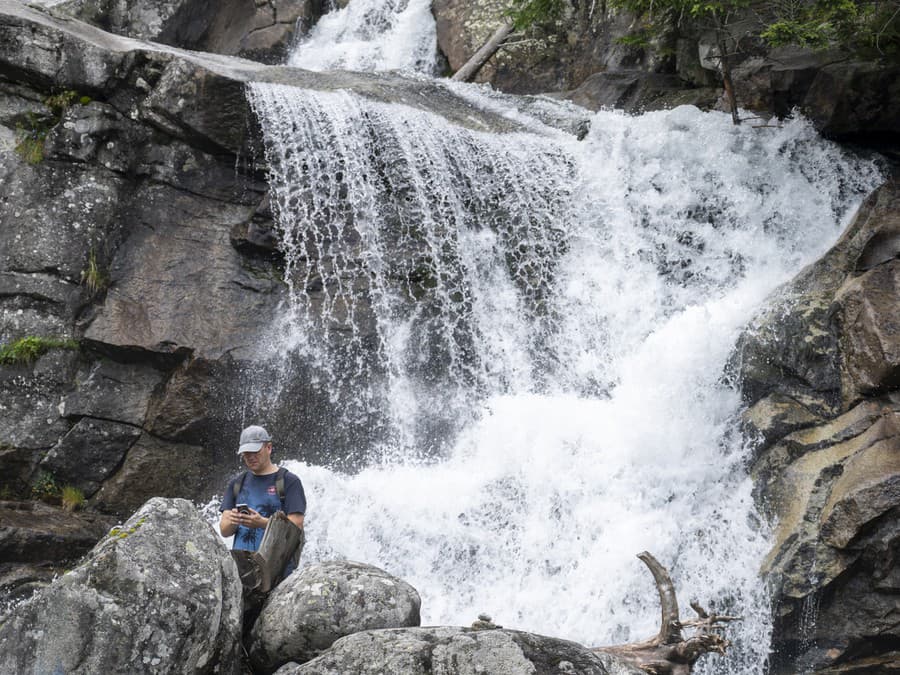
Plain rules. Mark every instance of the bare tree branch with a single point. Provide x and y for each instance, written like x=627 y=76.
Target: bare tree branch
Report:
x=669 y=652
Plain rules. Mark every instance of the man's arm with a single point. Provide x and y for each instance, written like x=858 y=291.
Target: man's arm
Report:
x=296 y=519
x=228 y=524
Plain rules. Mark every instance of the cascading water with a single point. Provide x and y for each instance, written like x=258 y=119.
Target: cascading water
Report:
x=543 y=324
x=371 y=35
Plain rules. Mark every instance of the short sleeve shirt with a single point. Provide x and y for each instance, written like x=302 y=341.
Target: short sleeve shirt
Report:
x=260 y=494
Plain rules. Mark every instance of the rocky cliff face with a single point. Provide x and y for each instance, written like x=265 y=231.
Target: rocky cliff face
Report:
x=820 y=370
x=120 y=219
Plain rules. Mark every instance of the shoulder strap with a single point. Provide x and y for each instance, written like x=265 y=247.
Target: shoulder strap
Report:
x=237 y=485
x=279 y=485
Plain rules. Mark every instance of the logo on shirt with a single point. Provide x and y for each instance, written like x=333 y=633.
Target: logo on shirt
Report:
x=271 y=490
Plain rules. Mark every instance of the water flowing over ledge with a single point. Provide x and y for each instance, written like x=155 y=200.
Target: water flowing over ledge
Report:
x=542 y=324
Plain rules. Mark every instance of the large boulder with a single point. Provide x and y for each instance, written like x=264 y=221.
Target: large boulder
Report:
x=159 y=594
x=462 y=651
x=819 y=370
x=315 y=606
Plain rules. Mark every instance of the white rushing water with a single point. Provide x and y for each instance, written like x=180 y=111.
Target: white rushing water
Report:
x=564 y=310
x=371 y=35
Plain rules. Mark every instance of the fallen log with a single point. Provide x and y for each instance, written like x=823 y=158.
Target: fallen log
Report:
x=669 y=652
x=478 y=59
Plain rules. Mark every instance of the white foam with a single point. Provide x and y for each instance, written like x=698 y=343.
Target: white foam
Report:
x=371 y=35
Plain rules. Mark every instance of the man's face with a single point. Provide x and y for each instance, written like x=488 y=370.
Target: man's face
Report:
x=257 y=461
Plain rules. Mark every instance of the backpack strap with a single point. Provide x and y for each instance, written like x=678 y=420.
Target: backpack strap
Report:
x=237 y=485
x=279 y=485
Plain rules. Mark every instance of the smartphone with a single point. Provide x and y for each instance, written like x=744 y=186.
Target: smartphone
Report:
x=242 y=508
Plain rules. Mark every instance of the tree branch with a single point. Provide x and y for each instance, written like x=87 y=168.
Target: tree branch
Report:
x=479 y=58
x=669 y=653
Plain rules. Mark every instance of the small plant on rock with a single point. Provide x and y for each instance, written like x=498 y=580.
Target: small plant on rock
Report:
x=29 y=349
x=31 y=135
x=30 y=139
x=93 y=276
x=72 y=498
x=45 y=487
x=59 y=103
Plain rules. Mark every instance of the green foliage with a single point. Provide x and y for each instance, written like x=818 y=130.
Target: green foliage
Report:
x=33 y=132
x=59 y=103
x=93 y=275
x=866 y=27
x=30 y=143
x=678 y=8
x=45 y=487
x=527 y=13
x=28 y=349
x=72 y=498
x=638 y=40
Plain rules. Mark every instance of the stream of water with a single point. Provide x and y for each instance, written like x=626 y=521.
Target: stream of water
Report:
x=543 y=323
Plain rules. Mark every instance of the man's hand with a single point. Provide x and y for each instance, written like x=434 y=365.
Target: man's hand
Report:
x=232 y=519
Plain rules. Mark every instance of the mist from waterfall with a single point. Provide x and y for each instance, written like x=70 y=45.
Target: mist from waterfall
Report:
x=544 y=325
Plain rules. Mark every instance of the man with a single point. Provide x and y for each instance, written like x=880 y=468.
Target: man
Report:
x=259 y=488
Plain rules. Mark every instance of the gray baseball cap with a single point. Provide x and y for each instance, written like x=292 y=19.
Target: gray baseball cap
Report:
x=253 y=438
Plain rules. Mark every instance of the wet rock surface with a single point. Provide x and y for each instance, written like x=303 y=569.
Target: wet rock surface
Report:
x=821 y=381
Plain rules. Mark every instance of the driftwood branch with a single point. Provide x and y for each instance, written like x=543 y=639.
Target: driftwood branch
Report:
x=670 y=653
x=479 y=58
x=669 y=630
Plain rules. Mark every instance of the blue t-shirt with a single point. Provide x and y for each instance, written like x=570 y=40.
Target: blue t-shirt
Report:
x=260 y=494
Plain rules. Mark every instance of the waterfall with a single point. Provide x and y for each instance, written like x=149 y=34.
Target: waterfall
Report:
x=371 y=35
x=542 y=324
